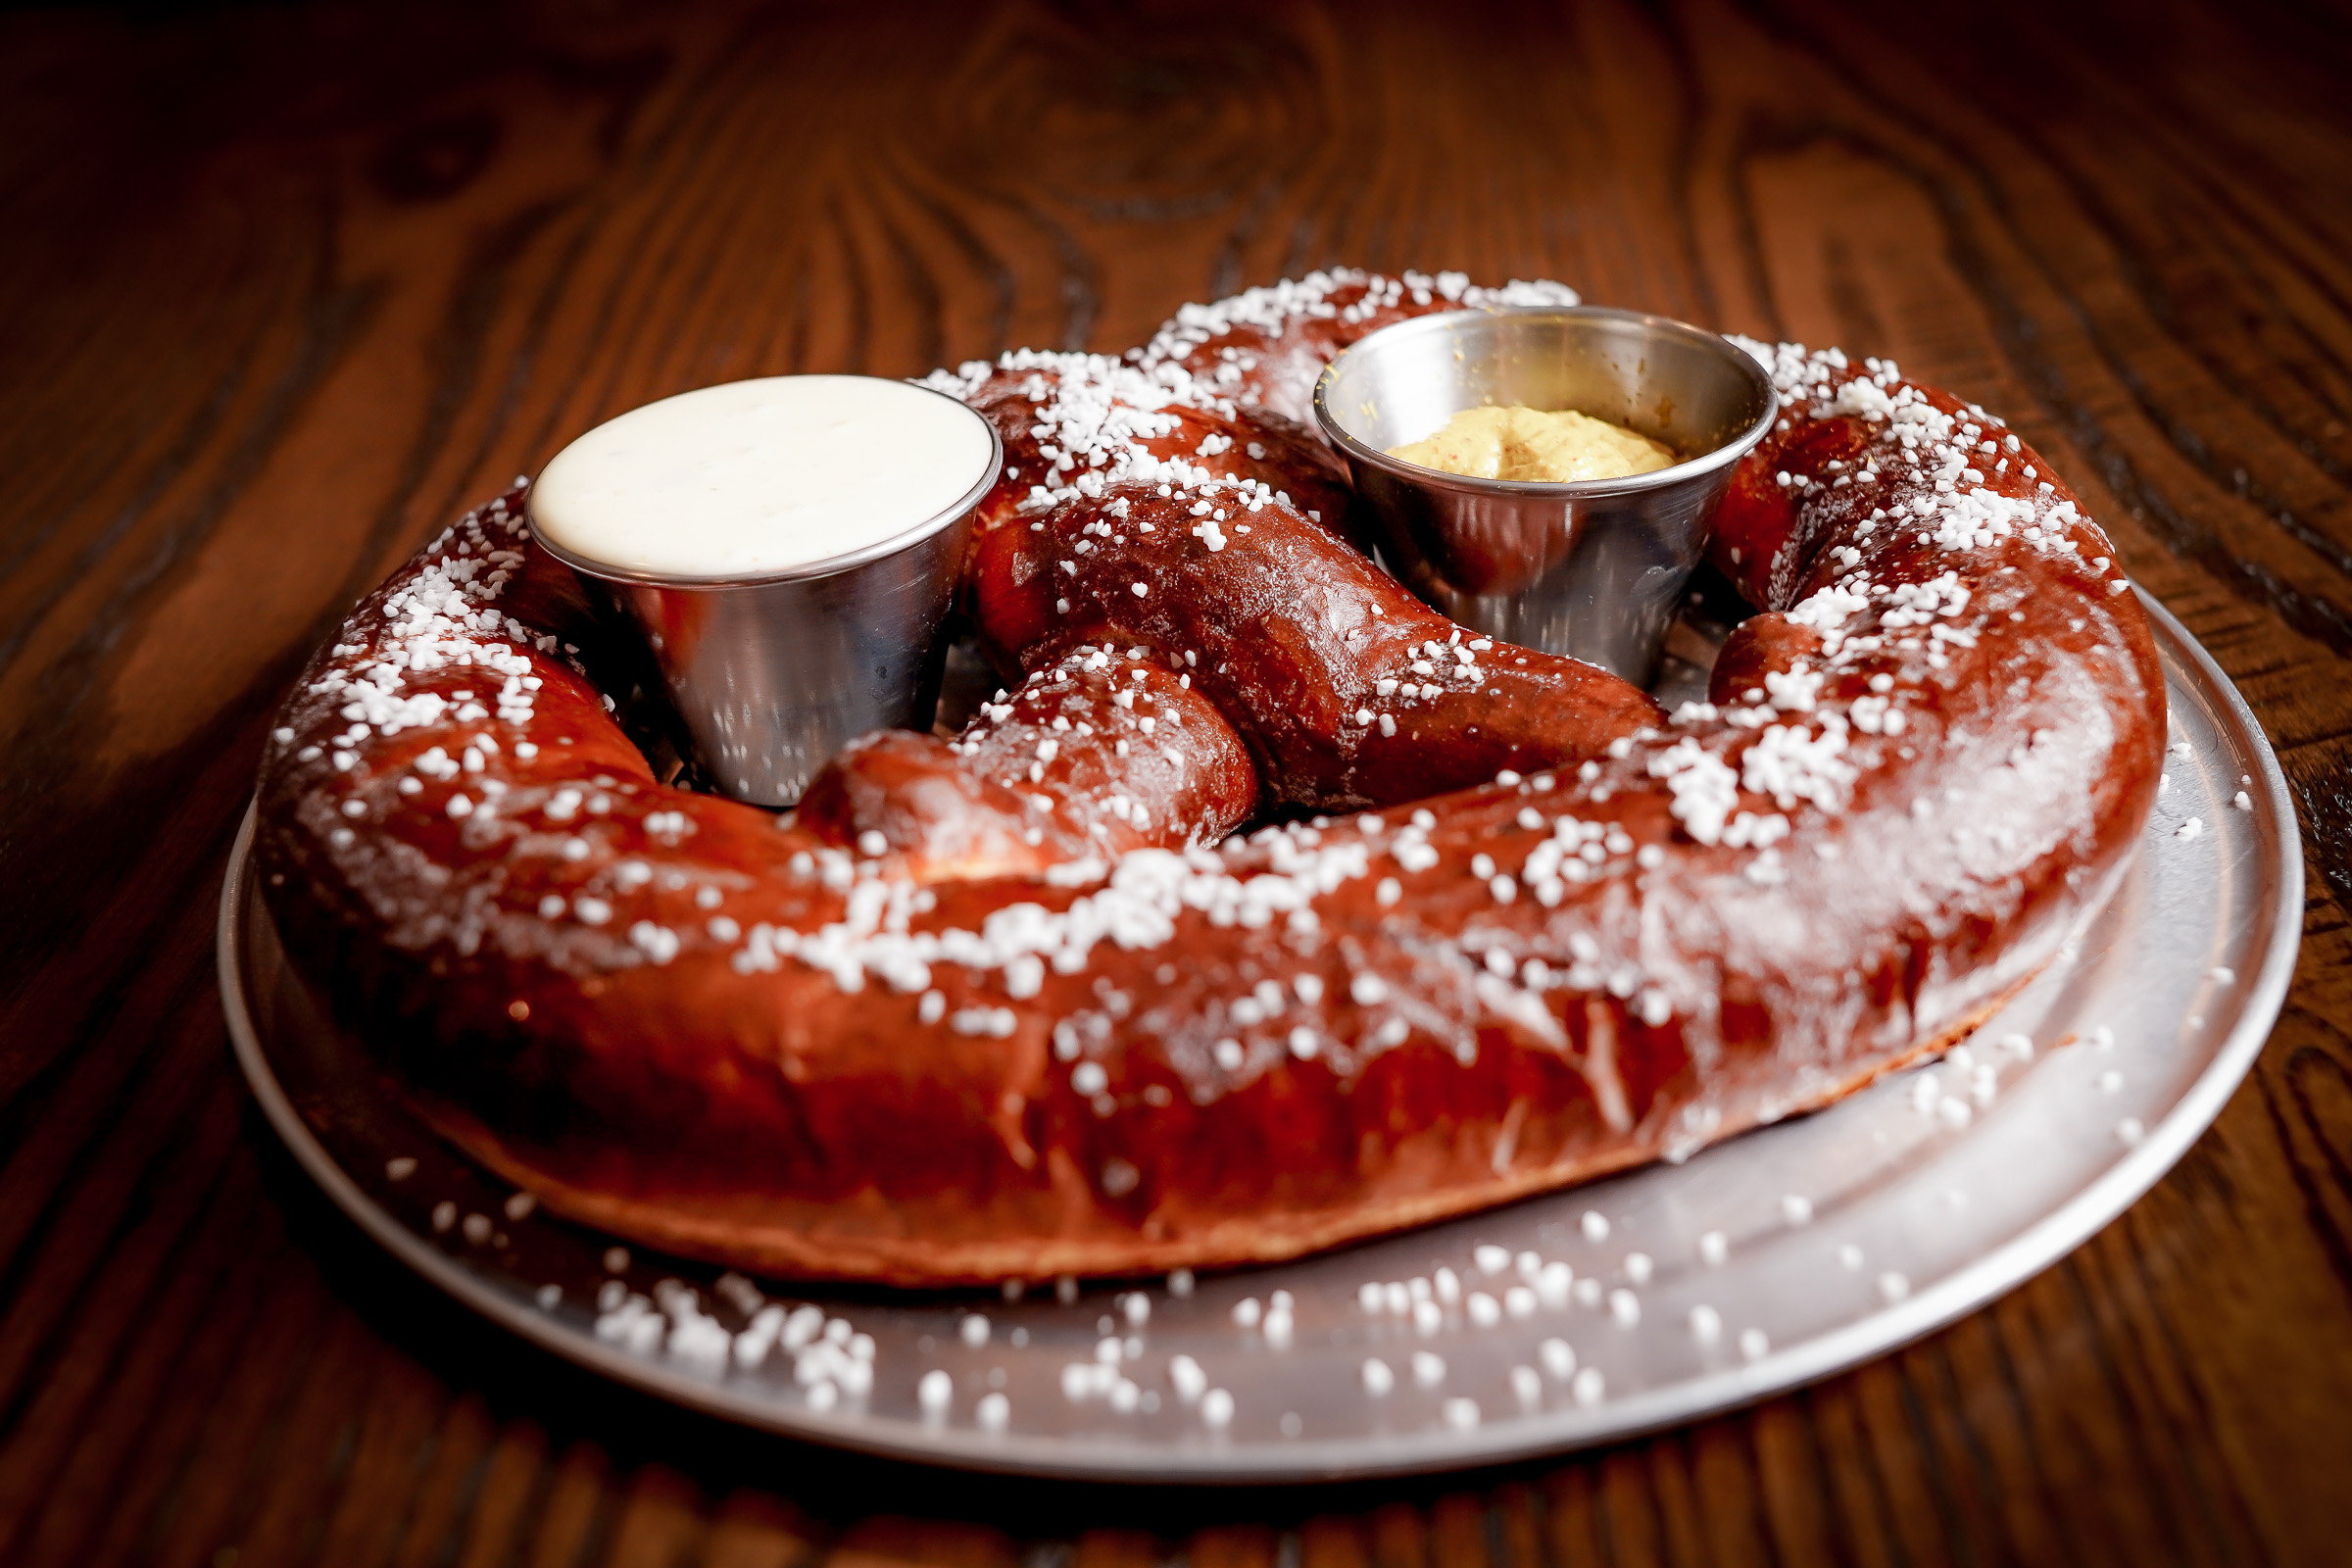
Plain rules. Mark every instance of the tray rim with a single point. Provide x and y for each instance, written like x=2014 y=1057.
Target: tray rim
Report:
x=1977 y=1284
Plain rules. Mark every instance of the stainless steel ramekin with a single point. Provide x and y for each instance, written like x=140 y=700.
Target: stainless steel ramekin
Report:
x=771 y=674
x=1596 y=568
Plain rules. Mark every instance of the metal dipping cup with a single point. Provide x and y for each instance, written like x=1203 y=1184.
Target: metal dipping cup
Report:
x=772 y=674
x=1594 y=570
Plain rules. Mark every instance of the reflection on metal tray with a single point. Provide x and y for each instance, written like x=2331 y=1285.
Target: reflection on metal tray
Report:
x=1586 y=1316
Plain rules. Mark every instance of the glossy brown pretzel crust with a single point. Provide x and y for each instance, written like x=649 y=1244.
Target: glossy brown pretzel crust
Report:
x=1006 y=1008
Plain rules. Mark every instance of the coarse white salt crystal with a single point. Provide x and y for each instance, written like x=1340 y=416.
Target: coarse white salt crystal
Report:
x=1553 y=1283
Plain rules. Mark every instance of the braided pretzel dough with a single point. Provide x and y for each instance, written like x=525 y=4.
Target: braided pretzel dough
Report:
x=1014 y=1005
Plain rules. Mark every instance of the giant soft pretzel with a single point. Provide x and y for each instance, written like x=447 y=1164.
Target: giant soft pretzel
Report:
x=1012 y=1006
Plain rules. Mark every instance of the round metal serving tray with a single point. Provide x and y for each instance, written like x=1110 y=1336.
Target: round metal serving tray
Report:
x=1774 y=1258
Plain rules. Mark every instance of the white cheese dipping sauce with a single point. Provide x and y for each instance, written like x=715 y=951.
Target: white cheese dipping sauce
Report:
x=753 y=478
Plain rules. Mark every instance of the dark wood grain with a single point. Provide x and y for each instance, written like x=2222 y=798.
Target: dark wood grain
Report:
x=284 y=288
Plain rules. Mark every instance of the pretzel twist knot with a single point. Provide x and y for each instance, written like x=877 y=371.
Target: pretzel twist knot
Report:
x=1022 y=1004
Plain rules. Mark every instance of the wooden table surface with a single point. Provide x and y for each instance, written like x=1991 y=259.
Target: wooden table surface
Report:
x=284 y=288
